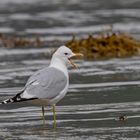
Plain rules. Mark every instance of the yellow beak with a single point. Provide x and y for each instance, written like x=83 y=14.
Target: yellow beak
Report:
x=75 y=55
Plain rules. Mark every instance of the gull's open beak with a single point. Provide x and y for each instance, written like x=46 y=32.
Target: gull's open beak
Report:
x=75 y=55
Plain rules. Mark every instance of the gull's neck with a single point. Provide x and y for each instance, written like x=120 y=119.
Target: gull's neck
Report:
x=59 y=64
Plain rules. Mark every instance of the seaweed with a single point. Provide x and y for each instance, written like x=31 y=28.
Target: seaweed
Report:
x=105 y=45
x=17 y=42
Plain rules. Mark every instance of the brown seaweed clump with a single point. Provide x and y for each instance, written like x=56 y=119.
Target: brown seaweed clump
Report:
x=14 y=42
x=106 y=46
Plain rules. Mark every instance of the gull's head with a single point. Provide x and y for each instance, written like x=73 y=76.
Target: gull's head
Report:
x=65 y=54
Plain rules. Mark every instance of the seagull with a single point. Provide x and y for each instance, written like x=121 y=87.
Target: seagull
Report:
x=48 y=86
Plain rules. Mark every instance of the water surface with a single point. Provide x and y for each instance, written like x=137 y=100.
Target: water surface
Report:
x=99 y=92
x=60 y=19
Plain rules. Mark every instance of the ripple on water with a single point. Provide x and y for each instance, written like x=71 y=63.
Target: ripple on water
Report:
x=100 y=91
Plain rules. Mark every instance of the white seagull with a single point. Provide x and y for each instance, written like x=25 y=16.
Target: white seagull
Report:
x=49 y=85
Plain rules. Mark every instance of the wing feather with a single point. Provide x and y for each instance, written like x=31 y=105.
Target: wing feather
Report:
x=45 y=84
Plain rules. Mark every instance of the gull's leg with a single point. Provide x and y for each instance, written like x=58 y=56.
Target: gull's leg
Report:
x=43 y=117
x=54 y=116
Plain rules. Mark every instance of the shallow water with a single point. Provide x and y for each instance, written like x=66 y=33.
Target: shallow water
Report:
x=60 y=19
x=99 y=92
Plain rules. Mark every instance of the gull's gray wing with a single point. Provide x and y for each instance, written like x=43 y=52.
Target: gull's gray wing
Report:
x=46 y=83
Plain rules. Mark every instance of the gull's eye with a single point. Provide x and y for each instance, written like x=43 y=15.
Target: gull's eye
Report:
x=66 y=53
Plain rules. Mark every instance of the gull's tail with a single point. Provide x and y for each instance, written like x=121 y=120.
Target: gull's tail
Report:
x=16 y=98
